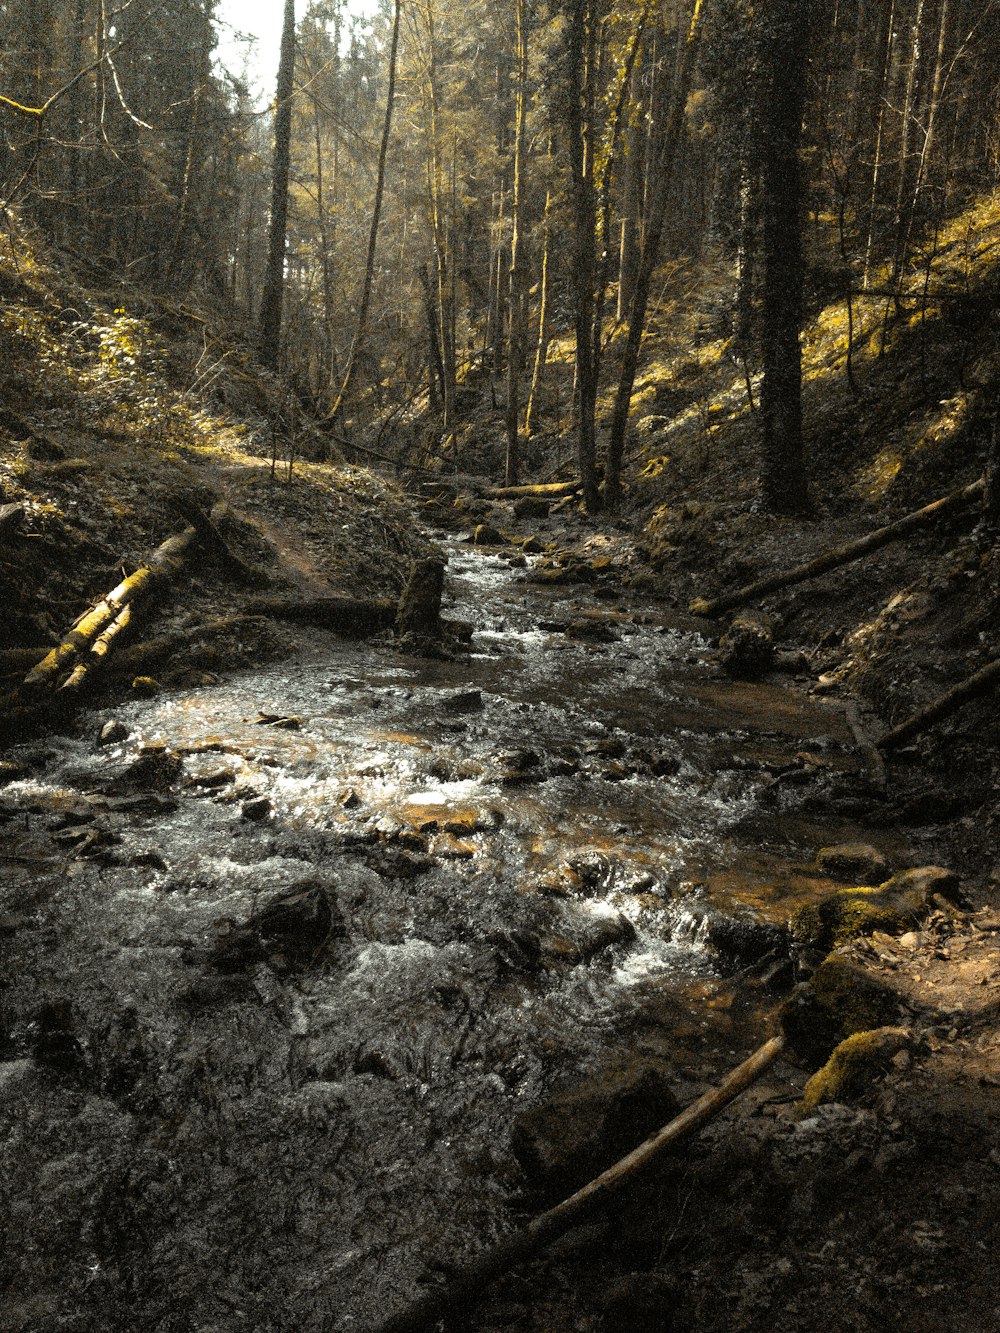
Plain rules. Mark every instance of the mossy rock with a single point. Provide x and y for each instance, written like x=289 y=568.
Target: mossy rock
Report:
x=485 y=535
x=896 y=906
x=852 y=1067
x=840 y=999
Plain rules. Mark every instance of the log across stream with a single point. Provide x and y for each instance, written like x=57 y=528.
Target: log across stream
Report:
x=302 y=947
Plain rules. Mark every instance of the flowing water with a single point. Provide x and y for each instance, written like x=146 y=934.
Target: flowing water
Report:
x=509 y=860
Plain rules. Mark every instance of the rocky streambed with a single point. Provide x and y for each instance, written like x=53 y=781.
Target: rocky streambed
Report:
x=316 y=977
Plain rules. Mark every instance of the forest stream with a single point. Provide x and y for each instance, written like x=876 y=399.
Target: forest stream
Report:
x=336 y=925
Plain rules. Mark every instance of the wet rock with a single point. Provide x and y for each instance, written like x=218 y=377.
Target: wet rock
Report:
x=394 y=863
x=532 y=546
x=256 y=809
x=54 y=1037
x=113 y=733
x=584 y=1128
x=664 y=766
x=853 y=863
x=591 y=630
x=485 y=535
x=350 y=800
x=895 y=906
x=852 y=1067
x=743 y=941
x=746 y=649
x=283 y=721
x=290 y=931
x=142 y=804
x=418 y=618
x=155 y=769
x=465 y=701
x=580 y=931
x=151 y=859
x=518 y=766
x=840 y=999
x=450 y=848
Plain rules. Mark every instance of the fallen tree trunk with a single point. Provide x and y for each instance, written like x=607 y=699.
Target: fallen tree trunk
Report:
x=139 y=658
x=841 y=555
x=463 y=1293
x=982 y=682
x=349 y=616
x=550 y=490
x=162 y=565
x=99 y=650
x=209 y=534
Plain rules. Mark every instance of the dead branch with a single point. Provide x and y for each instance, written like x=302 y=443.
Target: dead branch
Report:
x=466 y=1291
x=982 y=682
x=841 y=555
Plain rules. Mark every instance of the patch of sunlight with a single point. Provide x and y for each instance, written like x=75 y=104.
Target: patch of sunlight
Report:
x=881 y=472
x=656 y=466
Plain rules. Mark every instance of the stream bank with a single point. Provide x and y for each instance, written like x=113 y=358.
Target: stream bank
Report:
x=297 y=962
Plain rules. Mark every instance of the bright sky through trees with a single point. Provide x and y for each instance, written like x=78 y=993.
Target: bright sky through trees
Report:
x=238 y=21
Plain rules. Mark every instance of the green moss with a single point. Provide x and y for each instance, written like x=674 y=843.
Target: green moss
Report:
x=894 y=907
x=851 y=1068
x=842 y=998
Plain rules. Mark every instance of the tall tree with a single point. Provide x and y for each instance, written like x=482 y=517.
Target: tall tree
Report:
x=783 y=40
x=272 y=296
x=361 y=329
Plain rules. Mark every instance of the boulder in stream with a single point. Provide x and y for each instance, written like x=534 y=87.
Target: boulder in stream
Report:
x=289 y=932
x=585 y=1127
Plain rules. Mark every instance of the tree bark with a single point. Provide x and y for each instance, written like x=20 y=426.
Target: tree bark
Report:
x=666 y=155
x=783 y=482
x=516 y=313
x=274 y=274
x=366 y=291
x=581 y=48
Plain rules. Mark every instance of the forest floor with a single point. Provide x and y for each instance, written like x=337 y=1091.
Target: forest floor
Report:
x=880 y=1207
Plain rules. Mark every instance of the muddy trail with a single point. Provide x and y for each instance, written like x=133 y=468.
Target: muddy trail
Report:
x=291 y=960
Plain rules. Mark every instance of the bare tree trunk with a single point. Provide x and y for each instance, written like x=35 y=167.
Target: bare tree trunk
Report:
x=274 y=275
x=582 y=44
x=517 y=312
x=542 y=342
x=783 y=482
x=361 y=330
x=666 y=155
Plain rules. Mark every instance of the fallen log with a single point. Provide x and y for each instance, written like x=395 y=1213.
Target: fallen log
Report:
x=348 y=616
x=841 y=555
x=549 y=490
x=464 y=1292
x=139 y=659
x=99 y=650
x=165 y=562
x=982 y=682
